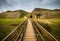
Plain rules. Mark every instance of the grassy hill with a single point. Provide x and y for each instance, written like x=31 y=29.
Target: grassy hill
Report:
x=13 y=14
x=47 y=13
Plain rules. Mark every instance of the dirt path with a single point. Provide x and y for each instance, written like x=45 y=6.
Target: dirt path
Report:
x=29 y=34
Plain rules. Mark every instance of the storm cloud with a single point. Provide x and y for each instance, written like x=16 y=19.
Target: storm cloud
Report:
x=28 y=5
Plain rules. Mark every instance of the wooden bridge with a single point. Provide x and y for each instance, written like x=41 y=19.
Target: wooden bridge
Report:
x=29 y=30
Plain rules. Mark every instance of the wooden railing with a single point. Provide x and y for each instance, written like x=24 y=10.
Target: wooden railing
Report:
x=17 y=33
x=38 y=34
x=44 y=31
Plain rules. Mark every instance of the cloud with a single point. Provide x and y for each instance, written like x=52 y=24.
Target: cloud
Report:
x=51 y=4
x=28 y=5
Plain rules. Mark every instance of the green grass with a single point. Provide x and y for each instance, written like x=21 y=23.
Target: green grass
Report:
x=54 y=24
x=55 y=27
x=7 y=25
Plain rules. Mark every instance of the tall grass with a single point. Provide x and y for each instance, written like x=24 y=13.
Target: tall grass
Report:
x=7 y=25
x=54 y=24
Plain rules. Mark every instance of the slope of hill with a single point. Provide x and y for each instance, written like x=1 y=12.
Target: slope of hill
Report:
x=46 y=13
x=13 y=14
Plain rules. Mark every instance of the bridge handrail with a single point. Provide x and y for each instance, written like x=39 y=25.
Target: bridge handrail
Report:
x=45 y=31
x=38 y=34
x=14 y=33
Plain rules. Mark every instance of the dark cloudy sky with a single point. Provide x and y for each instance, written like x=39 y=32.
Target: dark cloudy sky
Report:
x=28 y=5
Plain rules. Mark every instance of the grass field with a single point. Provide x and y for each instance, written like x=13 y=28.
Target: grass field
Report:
x=7 y=25
x=54 y=26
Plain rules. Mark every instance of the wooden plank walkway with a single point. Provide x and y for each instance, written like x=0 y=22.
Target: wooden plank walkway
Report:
x=29 y=34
